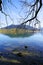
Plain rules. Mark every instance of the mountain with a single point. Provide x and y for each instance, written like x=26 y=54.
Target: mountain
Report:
x=19 y=26
x=18 y=30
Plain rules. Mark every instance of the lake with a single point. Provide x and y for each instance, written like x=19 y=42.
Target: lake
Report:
x=35 y=41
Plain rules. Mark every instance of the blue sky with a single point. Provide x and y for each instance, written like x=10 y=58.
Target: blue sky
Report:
x=14 y=12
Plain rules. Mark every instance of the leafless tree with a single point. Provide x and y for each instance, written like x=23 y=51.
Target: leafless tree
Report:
x=35 y=7
x=6 y=15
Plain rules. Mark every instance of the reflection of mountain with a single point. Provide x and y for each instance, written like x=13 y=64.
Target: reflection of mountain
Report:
x=35 y=41
x=18 y=30
x=41 y=30
x=13 y=50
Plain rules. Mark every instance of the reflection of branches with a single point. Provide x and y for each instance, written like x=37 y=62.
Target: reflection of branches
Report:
x=36 y=12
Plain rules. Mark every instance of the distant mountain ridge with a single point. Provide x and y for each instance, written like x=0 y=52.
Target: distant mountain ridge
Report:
x=19 y=26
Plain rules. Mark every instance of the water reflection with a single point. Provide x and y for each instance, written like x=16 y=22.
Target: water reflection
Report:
x=35 y=40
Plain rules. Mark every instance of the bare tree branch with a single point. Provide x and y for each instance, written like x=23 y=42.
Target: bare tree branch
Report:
x=36 y=12
x=7 y=15
x=0 y=5
x=10 y=1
